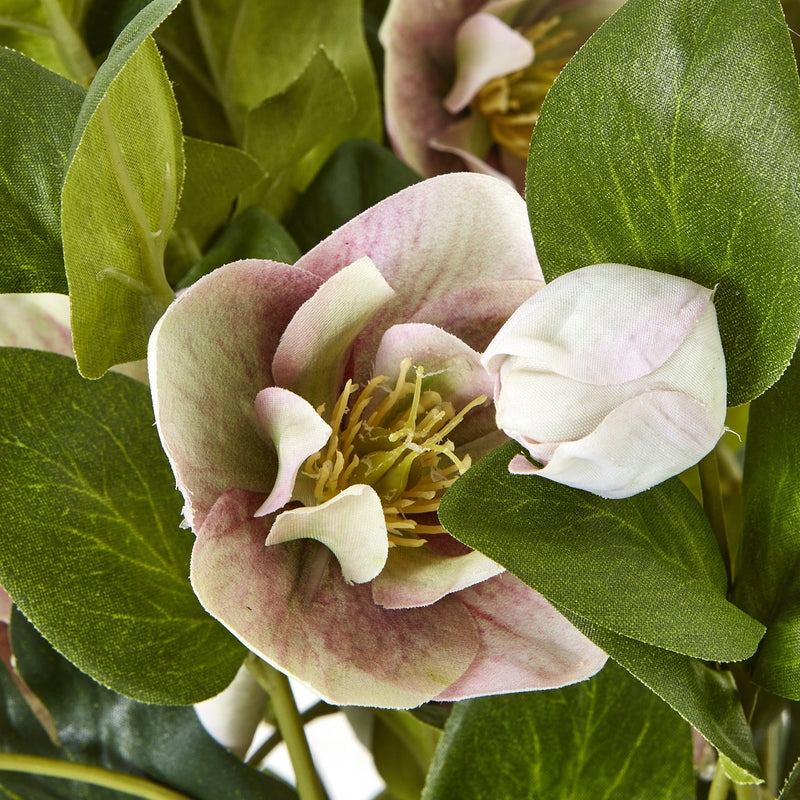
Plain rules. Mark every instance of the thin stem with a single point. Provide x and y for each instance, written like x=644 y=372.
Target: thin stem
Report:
x=290 y=723
x=712 y=505
x=720 y=784
x=55 y=768
x=320 y=709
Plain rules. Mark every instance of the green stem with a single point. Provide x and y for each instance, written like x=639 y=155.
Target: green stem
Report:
x=712 y=505
x=320 y=709
x=720 y=784
x=77 y=59
x=290 y=723
x=55 y=768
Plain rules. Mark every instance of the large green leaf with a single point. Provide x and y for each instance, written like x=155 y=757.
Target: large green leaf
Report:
x=166 y=744
x=38 y=110
x=646 y=567
x=767 y=585
x=668 y=143
x=705 y=697
x=120 y=198
x=24 y=27
x=358 y=175
x=605 y=738
x=90 y=545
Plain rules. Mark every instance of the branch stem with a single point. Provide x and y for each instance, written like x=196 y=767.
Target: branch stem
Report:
x=712 y=505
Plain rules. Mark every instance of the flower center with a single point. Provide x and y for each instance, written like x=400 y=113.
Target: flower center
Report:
x=398 y=445
x=512 y=103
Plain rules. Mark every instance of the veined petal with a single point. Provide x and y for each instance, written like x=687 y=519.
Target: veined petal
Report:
x=604 y=324
x=314 y=348
x=297 y=432
x=428 y=241
x=486 y=48
x=617 y=459
x=300 y=616
x=208 y=357
x=37 y=321
x=525 y=643
x=417 y=576
x=351 y=524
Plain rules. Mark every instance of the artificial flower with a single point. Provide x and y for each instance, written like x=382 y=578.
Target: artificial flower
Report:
x=314 y=415
x=465 y=79
x=612 y=378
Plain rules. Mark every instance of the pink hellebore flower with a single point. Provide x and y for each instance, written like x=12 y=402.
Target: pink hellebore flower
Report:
x=314 y=415
x=612 y=377
x=465 y=79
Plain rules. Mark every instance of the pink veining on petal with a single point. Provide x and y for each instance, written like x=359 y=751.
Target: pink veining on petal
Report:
x=486 y=48
x=525 y=643
x=296 y=430
x=298 y=613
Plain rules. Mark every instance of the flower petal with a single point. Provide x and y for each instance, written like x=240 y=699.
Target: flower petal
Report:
x=486 y=48
x=37 y=321
x=417 y=576
x=525 y=643
x=351 y=524
x=313 y=350
x=617 y=459
x=309 y=623
x=430 y=240
x=297 y=432
x=638 y=318
x=208 y=357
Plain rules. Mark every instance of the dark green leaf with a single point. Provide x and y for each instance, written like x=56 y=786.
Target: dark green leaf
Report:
x=665 y=144
x=253 y=234
x=120 y=199
x=705 y=697
x=166 y=744
x=38 y=110
x=358 y=175
x=90 y=547
x=605 y=738
x=646 y=567
x=791 y=789
x=766 y=584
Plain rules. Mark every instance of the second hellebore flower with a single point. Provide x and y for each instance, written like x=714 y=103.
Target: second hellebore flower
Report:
x=465 y=79
x=314 y=415
x=612 y=377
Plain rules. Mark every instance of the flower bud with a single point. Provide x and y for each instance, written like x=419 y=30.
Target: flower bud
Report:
x=612 y=377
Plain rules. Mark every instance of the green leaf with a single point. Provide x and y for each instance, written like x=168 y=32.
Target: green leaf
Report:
x=791 y=789
x=292 y=133
x=38 y=110
x=705 y=697
x=120 y=199
x=664 y=144
x=90 y=547
x=165 y=744
x=24 y=27
x=358 y=175
x=766 y=584
x=605 y=738
x=646 y=567
x=253 y=234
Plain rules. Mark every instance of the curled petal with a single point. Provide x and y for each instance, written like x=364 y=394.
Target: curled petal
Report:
x=351 y=524
x=617 y=459
x=486 y=48
x=297 y=432
x=417 y=576
x=305 y=620
x=470 y=139
x=525 y=643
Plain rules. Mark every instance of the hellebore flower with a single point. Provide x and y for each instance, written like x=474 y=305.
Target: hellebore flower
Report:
x=465 y=79
x=612 y=377
x=314 y=415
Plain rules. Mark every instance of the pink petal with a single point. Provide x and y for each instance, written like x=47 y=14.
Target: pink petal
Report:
x=429 y=241
x=297 y=432
x=5 y=605
x=525 y=643
x=417 y=576
x=209 y=356
x=486 y=48
x=36 y=321
x=313 y=350
x=605 y=324
x=298 y=614
x=351 y=524
x=469 y=139
x=617 y=459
